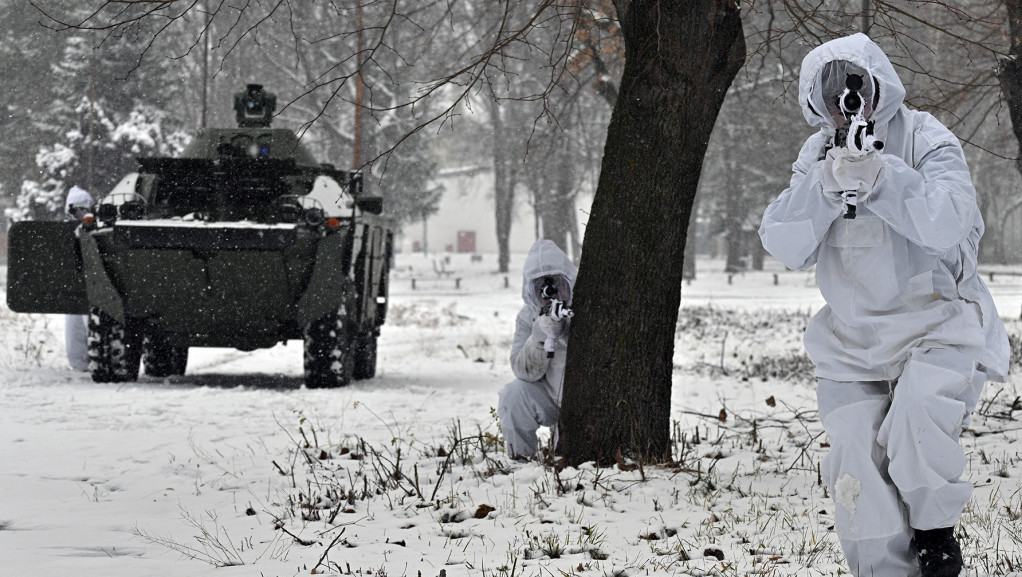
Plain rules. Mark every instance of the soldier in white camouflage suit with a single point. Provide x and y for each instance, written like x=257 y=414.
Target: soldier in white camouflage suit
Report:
x=539 y=350
x=76 y=327
x=910 y=334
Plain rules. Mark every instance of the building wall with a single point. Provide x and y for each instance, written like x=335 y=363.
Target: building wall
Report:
x=467 y=205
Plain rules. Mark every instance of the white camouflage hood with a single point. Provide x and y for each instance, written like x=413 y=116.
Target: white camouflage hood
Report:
x=77 y=198
x=862 y=52
x=545 y=259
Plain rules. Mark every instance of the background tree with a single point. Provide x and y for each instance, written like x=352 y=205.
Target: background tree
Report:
x=90 y=116
x=28 y=53
x=394 y=53
x=96 y=90
x=543 y=122
x=1009 y=75
x=739 y=178
x=565 y=151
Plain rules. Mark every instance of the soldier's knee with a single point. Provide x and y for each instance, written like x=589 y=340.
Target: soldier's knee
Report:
x=512 y=394
x=937 y=382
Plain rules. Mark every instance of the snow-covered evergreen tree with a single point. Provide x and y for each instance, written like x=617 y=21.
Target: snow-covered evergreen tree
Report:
x=97 y=147
x=105 y=105
x=28 y=52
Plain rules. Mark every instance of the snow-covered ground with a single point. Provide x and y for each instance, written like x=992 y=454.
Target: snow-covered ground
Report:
x=235 y=469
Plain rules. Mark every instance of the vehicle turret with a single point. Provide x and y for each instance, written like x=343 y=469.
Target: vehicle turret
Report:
x=254 y=107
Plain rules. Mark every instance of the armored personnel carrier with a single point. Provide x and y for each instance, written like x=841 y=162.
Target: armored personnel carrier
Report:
x=244 y=241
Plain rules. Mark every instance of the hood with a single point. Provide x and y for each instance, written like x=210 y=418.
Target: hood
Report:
x=77 y=197
x=545 y=259
x=864 y=54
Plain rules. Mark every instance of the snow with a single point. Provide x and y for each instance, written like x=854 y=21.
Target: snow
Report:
x=236 y=465
x=189 y=223
x=846 y=491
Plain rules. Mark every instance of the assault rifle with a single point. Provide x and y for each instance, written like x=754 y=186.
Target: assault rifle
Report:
x=856 y=134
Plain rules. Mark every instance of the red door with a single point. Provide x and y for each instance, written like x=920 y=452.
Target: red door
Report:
x=466 y=241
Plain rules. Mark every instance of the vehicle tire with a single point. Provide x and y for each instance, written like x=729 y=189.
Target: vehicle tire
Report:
x=365 y=356
x=160 y=358
x=114 y=349
x=330 y=350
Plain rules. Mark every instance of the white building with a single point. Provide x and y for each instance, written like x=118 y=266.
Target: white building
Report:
x=466 y=221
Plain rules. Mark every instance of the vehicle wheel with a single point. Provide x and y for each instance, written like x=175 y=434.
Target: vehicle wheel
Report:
x=365 y=356
x=160 y=358
x=329 y=349
x=114 y=350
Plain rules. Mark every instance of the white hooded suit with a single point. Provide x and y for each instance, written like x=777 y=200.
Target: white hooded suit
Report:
x=76 y=327
x=909 y=334
x=533 y=399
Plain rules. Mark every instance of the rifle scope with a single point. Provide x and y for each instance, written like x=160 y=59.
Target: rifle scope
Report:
x=849 y=101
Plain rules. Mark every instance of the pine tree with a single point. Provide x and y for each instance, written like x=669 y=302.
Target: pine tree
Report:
x=28 y=52
x=100 y=107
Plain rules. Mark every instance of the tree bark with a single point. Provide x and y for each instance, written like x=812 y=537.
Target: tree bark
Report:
x=680 y=59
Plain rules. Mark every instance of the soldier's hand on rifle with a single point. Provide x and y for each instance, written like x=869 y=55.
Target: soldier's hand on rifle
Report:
x=842 y=171
x=551 y=327
x=539 y=335
x=857 y=172
x=831 y=188
x=545 y=331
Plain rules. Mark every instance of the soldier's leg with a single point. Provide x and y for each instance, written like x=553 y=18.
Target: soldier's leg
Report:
x=870 y=519
x=932 y=402
x=522 y=408
x=76 y=335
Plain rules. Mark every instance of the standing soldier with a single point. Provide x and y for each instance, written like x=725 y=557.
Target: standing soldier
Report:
x=76 y=327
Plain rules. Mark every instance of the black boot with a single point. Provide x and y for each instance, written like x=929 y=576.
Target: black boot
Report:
x=939 y=552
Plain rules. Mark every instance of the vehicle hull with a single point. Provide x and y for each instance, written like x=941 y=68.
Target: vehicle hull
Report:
x=202 y=285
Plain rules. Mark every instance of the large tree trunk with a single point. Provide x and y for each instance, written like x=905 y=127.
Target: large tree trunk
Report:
x=680 y=59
